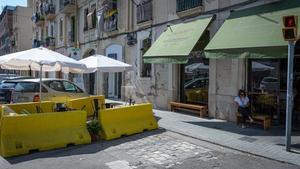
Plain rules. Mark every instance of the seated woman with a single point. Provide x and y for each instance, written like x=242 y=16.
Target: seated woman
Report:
x=243 y=104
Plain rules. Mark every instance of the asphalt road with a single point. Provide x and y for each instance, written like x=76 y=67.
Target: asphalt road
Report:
x=150 y=150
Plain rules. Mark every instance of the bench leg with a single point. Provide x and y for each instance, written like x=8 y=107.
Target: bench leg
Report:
x=237 y=120
x=203 y=112
x=267 y=124
x=172 y=108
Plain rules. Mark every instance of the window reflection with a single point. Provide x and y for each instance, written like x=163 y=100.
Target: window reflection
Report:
x=267 y=82
x=196 y=82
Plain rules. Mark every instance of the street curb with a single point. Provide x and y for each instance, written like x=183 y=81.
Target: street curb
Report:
x=228 y=147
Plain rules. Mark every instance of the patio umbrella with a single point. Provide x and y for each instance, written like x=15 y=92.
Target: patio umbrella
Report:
x=40 y=59
x=104 y=64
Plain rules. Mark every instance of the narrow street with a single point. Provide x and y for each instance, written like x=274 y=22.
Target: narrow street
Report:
x=150 y=150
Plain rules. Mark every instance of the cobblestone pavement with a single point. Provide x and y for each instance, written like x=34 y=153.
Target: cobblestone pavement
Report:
x=157 y=149
x=254 y=139
x=164 y=150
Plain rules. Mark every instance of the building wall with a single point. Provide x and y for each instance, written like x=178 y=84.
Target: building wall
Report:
x=22 y=28
x=6 y=29
x=226 y=75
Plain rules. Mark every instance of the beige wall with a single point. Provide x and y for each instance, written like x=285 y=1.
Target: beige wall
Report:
x=226 y=76
x=22 y=28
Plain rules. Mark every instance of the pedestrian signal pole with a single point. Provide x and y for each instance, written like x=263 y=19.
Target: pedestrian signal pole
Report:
x=290 y=35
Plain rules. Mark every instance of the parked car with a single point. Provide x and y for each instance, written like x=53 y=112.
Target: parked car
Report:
x=196 y=91
x=5 y=95
x=12 y=77
x=269 y=84
x=25 y=90
x=7 y=89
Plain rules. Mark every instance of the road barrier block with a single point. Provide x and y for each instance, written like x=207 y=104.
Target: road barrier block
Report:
x=31 y=107
x=127 y=120
x=87 y=104
x=21 y=134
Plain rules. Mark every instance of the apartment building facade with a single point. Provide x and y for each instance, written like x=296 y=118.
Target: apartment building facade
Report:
x=127 y=29
x=6 y=29
x=15 y=29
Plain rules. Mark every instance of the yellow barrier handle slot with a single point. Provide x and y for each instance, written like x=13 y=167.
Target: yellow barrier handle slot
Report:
x=96 y=109
x=38 y=109
x=83 y=107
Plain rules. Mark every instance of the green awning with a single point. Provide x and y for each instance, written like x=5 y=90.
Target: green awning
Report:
x=175 y=44
x=254 y=32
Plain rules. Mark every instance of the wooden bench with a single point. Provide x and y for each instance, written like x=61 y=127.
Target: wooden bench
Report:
x=202 y=110
x=264 y=120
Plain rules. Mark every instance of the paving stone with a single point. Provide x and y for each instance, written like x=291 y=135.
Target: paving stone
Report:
x=264 y=145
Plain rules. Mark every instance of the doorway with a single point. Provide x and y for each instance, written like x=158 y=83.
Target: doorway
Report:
x=89 y=78
x=114 y=80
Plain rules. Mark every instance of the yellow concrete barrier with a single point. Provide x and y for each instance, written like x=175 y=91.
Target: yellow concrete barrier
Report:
x=23 y=133
x=31 y=107
x=128 y=120
x=87 y=104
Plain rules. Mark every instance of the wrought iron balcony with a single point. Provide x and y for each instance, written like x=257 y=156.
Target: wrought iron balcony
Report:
x=144 y=12
x=183 y=5
x=111 y=23
x=50 y=11
x=50 y=42
x=67 y=6
x=37 y=43
x=38 y=19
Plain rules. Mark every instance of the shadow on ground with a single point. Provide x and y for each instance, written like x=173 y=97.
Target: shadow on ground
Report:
x=251 y=130
x=82 y=149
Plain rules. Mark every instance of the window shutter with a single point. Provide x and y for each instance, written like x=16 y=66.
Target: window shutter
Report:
x=90 y=20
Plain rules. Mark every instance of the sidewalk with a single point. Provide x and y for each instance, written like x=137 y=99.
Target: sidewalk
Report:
x=253 y=140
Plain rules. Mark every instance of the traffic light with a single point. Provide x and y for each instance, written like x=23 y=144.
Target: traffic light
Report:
x=290 y=28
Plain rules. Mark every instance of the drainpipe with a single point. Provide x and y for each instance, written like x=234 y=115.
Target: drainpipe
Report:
x=77 y=20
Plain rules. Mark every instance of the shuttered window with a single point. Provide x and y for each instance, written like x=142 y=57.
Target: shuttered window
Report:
x=144 y=11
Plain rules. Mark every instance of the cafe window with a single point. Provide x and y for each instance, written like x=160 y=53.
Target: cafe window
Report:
x=145 y=67
x=195 y=81
x=267 y=87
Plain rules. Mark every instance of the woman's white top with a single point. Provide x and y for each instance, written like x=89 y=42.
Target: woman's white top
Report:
x=242 y=102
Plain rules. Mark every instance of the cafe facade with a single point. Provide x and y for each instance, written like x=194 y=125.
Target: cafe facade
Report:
x=237 y=49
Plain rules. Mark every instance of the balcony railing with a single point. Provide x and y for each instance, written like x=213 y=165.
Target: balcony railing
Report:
x=67 y=6
x=37 y=43
x=50 y=42
x=111 y=23
x=183 y=5
x=71 y=37
x=144 y=12
x=50 y=11
x=38 y=19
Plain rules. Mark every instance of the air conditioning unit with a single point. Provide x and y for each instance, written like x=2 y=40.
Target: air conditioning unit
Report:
x=131 y=39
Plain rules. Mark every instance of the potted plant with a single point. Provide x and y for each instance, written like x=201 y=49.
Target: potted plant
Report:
x=93 y=127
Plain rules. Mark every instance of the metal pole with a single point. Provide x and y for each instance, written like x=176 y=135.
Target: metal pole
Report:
x=289 y=96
